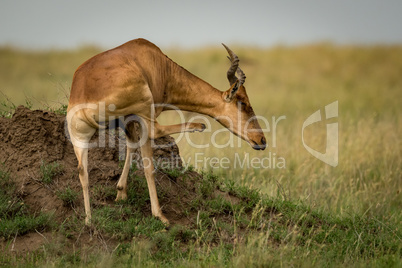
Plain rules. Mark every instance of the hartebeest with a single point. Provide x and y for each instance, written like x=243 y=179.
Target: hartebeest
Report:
x=131 y=79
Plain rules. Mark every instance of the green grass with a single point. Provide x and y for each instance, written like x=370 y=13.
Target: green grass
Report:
x=14 y=217
x=254 y=230
x=49 y=171
x=68 y=196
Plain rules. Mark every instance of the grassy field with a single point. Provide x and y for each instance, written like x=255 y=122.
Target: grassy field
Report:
x=359 y=200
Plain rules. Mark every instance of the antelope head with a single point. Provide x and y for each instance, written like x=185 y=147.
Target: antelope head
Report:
x=238 y=115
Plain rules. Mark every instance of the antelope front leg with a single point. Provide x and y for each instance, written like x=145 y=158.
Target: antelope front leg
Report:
x=146 y=153
x=158 y=131
x=132 y=139
x=122 y=184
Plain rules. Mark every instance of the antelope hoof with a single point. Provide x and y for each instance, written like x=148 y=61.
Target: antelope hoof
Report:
x=163 y=219
x=87 y=221
x=121 y=195
x=201 y=127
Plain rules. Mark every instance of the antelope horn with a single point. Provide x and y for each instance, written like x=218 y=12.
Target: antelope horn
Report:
x=242 y=76
x=234 y=67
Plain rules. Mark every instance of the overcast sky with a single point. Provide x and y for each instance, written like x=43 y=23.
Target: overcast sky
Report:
x=71 y=23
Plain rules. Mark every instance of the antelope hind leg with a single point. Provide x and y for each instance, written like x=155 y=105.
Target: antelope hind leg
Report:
x=81 y=133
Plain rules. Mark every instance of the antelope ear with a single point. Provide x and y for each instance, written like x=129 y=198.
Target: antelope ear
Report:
x=231 y=92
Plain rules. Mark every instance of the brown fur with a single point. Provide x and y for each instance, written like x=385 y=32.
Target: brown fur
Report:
x=132 y=78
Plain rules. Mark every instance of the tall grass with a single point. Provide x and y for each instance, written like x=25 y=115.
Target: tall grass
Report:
x=297 y=81
x=281 y=81
x=43 y=77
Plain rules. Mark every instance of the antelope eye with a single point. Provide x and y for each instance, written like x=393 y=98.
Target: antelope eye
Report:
x=242 y=103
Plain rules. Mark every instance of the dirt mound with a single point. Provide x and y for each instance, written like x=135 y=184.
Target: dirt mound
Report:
x=33 y=139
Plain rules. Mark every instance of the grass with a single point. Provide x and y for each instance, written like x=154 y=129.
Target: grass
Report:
x=249 y=231
x=295 y=82
x=14 y=217
x=305 y=214
x=49 y=171
x=259 y=223
x=68 y=196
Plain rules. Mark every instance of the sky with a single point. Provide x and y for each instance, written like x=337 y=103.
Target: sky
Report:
x=44 y=24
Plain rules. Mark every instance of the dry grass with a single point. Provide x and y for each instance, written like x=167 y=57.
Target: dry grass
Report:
x=289 y=81
x=296 y=82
